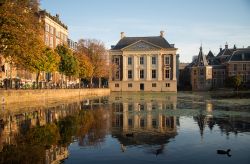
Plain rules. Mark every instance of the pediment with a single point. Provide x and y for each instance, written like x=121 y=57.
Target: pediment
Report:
x=141 y=46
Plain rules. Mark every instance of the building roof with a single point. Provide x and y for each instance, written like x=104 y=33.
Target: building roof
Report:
x=156 y=40
x=54 y=18
x=201 y=59
x=210 y=55
x=240 y=55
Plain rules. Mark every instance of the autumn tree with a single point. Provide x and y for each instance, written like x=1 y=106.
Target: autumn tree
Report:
x=85 y=66
x=20 y=29
x=96 y=52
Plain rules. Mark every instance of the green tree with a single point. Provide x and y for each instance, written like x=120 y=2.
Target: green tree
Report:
x=48 y=61
x=46 y=135
x=69 y=65
x=237 y=80
x=20 y=31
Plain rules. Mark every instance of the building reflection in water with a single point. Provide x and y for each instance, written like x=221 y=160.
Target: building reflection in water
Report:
x=140 y=120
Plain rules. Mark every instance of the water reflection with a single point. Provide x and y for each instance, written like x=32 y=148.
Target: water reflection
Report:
x=140 y=119
x=146 y=125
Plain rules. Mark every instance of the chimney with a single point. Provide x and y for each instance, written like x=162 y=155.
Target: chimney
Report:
x=220 y=48
x=226 y=46
x=162 y=33
x=122 y=35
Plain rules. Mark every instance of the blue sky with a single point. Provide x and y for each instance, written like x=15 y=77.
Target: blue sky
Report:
x=187 y=23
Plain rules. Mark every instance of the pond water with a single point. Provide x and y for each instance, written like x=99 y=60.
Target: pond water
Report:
x=130 y=128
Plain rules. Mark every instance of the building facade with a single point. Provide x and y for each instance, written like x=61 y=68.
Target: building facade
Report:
x=210 y=72
x=201 y=73
x=143 y=64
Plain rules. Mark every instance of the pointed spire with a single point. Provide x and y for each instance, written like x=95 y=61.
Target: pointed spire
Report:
x=201 y=59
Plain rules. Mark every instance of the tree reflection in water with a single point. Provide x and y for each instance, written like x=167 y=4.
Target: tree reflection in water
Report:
x=31 y=142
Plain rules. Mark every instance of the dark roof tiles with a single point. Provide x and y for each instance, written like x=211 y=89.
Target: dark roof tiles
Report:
x=156 y=40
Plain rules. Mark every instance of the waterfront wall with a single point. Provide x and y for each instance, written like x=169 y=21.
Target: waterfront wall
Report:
x=25 y=98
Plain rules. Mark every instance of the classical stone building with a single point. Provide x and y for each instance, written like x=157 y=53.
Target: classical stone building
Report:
x=143 y=64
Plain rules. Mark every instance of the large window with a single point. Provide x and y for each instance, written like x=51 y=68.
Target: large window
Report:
x=141 y=74
x=167 y=60
x=153 y=74
x=244 y=67
x=47 y=27
x=129 y=60
x=117 y=61
x=129 y=74
x=153 y=60
x=167 y=73
x=141 y=60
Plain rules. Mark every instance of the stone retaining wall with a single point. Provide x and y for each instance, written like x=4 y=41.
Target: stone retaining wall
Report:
x=24 y=98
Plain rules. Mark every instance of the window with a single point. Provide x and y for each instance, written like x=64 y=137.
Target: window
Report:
x=141 y=60
x=194 y=72
x=129 y=74
x=235 y=67
x=141 y=107
x=153 y=84
x=116 y=85
x=244 y=67
x=142 y=123
x=153 y=107
x=51 y=42
x=46 y=39
x=51 y=29
x=153 y=74
x=130 y=122
x=46 y=27
x=129 y=60
x=57 y=41
x=167 y=60
x=167 y=84
x=117 y=61
x=130 y=107
x=142 y=74
x=153 y=60
x=117 y=75
x=167 y=73
x=130 y=85
x=201 y=72
x=58 y=34
x=244 y=78
x=154 y=123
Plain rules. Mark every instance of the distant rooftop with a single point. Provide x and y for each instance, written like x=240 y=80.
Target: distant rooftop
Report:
x=54 y=18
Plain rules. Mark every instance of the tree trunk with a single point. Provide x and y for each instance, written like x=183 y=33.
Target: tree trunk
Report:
x=91 y=82
x=100 y=82
x=61 y=80
x=37 y=78
x=10 y=80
